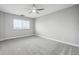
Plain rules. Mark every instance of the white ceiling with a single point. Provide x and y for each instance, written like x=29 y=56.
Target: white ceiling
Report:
x=20 y=9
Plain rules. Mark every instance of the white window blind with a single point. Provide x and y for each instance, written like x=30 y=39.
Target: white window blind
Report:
x=21 y=24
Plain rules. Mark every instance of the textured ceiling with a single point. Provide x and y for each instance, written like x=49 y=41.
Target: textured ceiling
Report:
x=20 y=9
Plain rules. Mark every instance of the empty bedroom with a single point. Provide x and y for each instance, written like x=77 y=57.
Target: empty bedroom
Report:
x=39 y=29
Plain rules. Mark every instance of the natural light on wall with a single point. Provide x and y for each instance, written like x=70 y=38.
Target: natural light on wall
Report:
x=19 y=24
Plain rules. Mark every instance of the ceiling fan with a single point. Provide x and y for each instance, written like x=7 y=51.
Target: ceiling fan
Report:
x=34 y=9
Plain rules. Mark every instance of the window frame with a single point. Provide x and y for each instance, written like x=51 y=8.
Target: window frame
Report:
x=22 y=24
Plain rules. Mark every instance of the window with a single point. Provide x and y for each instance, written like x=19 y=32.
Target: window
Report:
x=21 y=24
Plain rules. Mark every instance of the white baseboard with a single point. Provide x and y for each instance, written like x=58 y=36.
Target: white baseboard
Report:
x=42 y=37
x=15 y=37
x=68 y=43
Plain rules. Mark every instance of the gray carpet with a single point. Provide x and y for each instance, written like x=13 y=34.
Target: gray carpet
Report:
x=35 y=45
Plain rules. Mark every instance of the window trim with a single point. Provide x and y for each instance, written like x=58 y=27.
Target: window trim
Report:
x=22 y=25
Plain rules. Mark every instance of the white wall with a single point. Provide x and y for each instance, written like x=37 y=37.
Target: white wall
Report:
x=2 y=28
x=7 y=26
x=61 y=25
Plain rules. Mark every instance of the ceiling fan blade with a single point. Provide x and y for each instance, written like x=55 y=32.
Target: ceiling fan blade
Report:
x=37 y=12
x=30 y=11
x=40 y=9
x=27 y=8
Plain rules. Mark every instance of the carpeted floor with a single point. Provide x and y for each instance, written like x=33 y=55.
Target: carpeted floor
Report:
x=35 y=45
